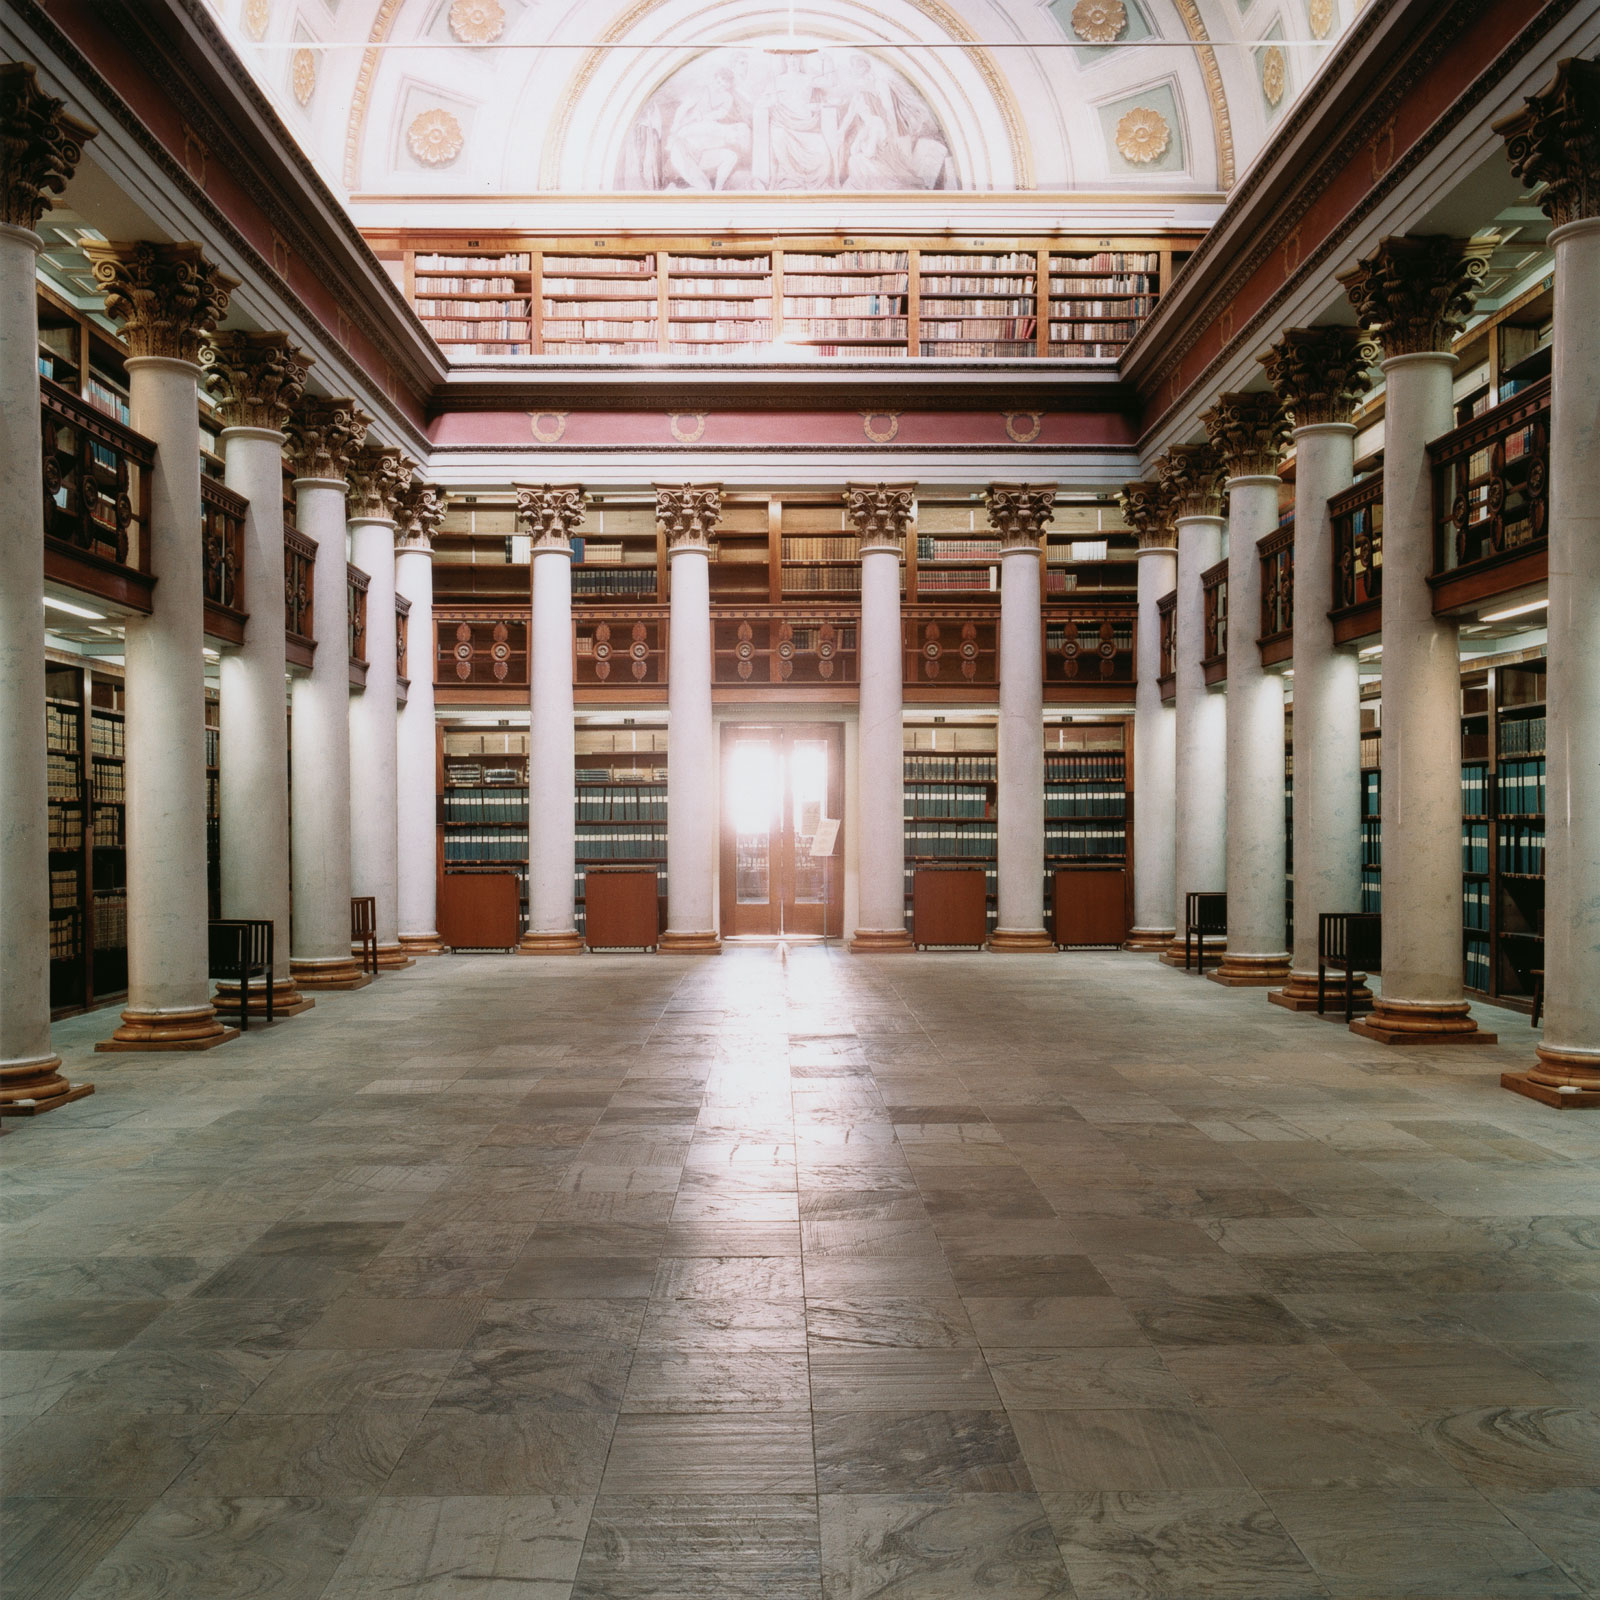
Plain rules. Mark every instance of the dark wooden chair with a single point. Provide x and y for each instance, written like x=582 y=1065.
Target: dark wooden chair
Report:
x=241 y=949
x=364 y=930
x=1203 y=913
x=1349 y=942
x=1538 y=995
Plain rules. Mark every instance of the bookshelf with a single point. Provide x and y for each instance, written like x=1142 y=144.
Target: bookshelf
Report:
x=213 y=804
x=1085 y=801
x=952 y=802
x=978 y=303
x=1477 y=888
x=1098 y=300
x=957 y=552
x=846 y=302
x=82 y=357
x=741 y=552
x=484 y=806
x=475 y=305
x=617 y=556
x=599 y=305
x=1517 y=701
x=819 y=552
x=619 y=805
x=68 y=803
x=1371 y=812
x=1089 y=549
x=718 y=305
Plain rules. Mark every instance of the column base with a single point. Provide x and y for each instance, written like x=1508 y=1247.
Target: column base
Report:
x=1421 y=1022
x=392 y=957
x=1149 y=940
x=29 y=1087
x=880 y=942
x=197 y=1029
x=1020 y=942
x=691 y=944
x=566 y=943
x=1172 y=956
x=1566 y=1079
x=1250 y=972
x=1299 y=993
x=287 y=1001
x=338 y=972
x=421 y=944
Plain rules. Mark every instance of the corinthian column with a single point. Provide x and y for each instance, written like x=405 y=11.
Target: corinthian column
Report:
x=323 y=437
x=1247 y=432
x=881 y=514
x=42 y=147
x=1415 y=295
x=548 y=514
x=420 y=512
x=258 y=379
x=1155 y=728
x=1319 y=375
x=168 y=298
x=1192 y=476
x=690 y=516
x=1018 y=512
x=1555 y=140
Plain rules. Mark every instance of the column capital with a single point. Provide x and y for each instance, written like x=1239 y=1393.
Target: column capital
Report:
x=1554 y=141
x=881 y=513
x=324 y=435
x=1192 y=476
x=378 y=475
x=550 y=511
x=1018 y=512
x=256 y=378
x=1145 y=504
x=1320 y=374
x=167 y=297
x=690 y=513
x=1415 y=293
x=40 y=145
x=418 y=515
x=1248 y=430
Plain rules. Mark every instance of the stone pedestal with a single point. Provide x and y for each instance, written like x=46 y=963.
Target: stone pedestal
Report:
x=420 y=511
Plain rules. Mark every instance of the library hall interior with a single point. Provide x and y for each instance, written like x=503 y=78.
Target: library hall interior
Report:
x=761 y=838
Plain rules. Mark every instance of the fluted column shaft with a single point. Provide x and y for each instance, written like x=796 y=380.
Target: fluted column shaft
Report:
x=1155 y=730
x=416 y=735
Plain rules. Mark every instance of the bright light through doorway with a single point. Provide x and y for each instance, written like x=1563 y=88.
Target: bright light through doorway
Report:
x=755 y=789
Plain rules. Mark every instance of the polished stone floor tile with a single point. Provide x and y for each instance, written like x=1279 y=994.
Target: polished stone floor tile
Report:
x=1127 y=1448
x=50 y=1545
x=710 y=1453
x=890 y=1452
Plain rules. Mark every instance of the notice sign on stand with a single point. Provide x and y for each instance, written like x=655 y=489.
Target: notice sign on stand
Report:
x=826 y=838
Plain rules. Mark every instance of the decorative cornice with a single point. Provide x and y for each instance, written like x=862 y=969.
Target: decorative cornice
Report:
x=550 y=511
x=1192 y=476
x=1147 y=506
x=1320 y=374
x=378 y=475
x=1248 y=430
x=418 y=515
x=1555 y=141
x=324 y=435
x=167 y=297
x=1206 y=56
x=881 y=513
x=40 y=145
x=257 y=378
x=1018 y=512
x=689 y=513
x=1415 y=293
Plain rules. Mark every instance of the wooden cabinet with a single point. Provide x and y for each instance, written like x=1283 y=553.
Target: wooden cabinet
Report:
x=479 y=910
x=622 y=909
x=949 y=906
x=1090 y=906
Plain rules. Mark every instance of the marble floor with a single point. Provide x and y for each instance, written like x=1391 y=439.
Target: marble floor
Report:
x=791 y=1274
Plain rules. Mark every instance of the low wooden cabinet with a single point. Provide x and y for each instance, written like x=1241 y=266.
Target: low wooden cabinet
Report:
x=1090 y=906
x=949 y=906
x=621 y=909
x=479 y=910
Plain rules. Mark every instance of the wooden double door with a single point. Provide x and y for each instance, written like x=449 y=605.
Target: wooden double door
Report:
x=782 y=847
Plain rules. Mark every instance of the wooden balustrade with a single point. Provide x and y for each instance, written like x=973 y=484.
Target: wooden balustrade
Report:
x=356 y=582
x=1167 y=615
x=1357 y=516
x=791 y=647
x=620 y=649
x=402 y=635
x=1214 y=637
x=947 y=648
x=1276 y=552
x=1089 y=645
x=222 y=515
x=299 y=576
x=480 y=648
x=96 y=487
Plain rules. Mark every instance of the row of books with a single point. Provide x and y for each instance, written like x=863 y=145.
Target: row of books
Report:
x=1475 y=847
x=108 y=829
x=1080 y=843
x=745 y=307
x=624 y=844
x=820 y=547
x=1475 y=904
x=467 y=774
x=1475 y=964
x=595 y=804
x=1522 y=848
x=930 y=548
x=514 y=261
x=949 y=769
x=61 y=729
x=608 y=347
x=474 y=328
x=848 y=261
x=1475 y=791
x=1131 y=283
x=813 y=580
x=109 y=783
x=468 y=348
x=213 y=747
x=604 y=266
x=1521 y=787
x=64 y=775
x=974 y=347
x=463 y=807
x=105 y=735
x=611 y=581
x=1108 y=766
x=969 y=801
x=854 y=327
x=1093 y=331
x=941 y=840
x=963 y=579
x=560 y=294
x=457 y=285
x=1371 y=792
x=66 y=827
x=1006 y=261
x=479 y=844
x=1097 y=802
x=705 y=333
x=110 y=921
x=1522 y=736
x=482 y=308
x=1077 y=310
x=844 y=305
x=979 y=328
x=1371 y=889
x=739 y=264
x=1086 y=352
x=599 y=329
x=1372 y=843
x=1109 y=261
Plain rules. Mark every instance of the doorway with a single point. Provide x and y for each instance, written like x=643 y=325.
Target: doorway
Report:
x=782 y=854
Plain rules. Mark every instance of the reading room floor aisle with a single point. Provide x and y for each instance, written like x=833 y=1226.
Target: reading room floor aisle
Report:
x=792 y=1274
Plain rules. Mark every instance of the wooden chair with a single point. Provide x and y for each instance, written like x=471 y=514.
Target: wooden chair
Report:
x=1203 y=913
x=1349 y=942
x=241 y=949
x=364 y=930
x=1538 y=995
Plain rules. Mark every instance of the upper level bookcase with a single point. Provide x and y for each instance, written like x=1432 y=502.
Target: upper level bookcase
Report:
x=1073 y=299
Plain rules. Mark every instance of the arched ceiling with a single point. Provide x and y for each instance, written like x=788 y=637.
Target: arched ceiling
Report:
x=610 y=103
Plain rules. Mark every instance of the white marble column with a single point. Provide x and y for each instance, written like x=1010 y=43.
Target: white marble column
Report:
x=1018 y=513
x=1247 y=431
x=1155 y=729
x=323 y=436
x=379 y=474
x=1554 y=140
x=690 y=515
x=43 y=146
x=881 y=514
x=1192 y=476
x=1415 y=293
x=420 y=513
x=257 y=378
x=1320 y=375
x=548 y=514
x=168 y=297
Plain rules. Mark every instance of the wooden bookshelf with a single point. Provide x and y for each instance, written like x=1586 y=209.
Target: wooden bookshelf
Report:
x=1085 y=801
x=952 y=803
x=820 y=552
x=1089 y=549
x=957 y=552
x=1371 y=811
x=846 y=302
x=978 y=303
x=213 y=803
x=742 y=551
x=620 y=805
x=618 y=555
x=475 y=304
x=1097 y=301
x=718 y=305
x=484 y=805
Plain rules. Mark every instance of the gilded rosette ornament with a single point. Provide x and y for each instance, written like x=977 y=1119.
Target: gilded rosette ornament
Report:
x=1320 y=374
x=167 y=297
x=1415 y=294
x=40 y=145
x=1145 y=505
x=257 y=379
x=548 y=512
x=303 y=74
x=689 y=513
x=1555 y=141
x=477 y=21
x=1321 y=16
x=1192 y=476
x=1274 y=74
x=1099 y=21
x=881 y=513
x=1248 y=431
x=1018 y=512
x=378 y=475
x=324 y=436
x=418 y=515
x=435 y=138
x=1143 y=136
